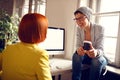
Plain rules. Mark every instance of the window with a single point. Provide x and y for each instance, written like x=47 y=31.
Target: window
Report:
x=110 y=23
x=109 y=17
x=107 y=5
x=34 y=6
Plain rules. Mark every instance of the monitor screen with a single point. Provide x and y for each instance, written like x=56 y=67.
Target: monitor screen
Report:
x=55 y=39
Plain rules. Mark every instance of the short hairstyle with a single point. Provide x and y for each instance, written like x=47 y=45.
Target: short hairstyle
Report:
x=33 y=28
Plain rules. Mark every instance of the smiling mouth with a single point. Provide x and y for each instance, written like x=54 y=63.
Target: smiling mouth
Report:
x=81 y=25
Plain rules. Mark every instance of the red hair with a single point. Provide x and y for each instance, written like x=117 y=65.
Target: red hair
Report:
x=33 y=28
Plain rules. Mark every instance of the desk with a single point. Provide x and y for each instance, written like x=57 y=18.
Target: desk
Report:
x=59 y=66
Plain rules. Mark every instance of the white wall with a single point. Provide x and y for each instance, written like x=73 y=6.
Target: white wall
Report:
x=60 y=14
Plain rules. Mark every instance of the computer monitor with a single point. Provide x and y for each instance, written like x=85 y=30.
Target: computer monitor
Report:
x=55 y=40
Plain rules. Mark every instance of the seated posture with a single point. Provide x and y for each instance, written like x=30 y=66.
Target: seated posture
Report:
x=91 y=55
x=25 y=60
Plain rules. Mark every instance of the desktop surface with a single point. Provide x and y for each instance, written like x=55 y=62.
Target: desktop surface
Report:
x=60 y=66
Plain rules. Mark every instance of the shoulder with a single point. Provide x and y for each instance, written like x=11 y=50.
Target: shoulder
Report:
x=97 y=27
x=10 y=47
x=40 y=52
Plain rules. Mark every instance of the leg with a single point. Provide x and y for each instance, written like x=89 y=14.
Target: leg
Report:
x=76 y=66
x=59 y=77
x=53 y=77
x=96 y=67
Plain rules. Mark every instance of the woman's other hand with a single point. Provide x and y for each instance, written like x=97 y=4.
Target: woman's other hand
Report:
x=80 y=51
x=92 y=53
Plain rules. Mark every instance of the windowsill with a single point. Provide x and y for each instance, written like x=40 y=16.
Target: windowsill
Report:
x=59 y=65
x=113 y=69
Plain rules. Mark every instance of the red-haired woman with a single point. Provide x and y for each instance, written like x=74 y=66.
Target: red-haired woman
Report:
x=25 y=60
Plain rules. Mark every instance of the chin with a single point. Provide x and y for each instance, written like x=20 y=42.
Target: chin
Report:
x=82 y=27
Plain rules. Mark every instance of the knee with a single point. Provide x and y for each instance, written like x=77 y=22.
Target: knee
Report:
x=76 y=57
x=95 y=61
x=99 y=61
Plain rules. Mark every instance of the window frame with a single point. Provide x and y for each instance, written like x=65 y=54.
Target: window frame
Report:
x=97 y=13
x=34 y=6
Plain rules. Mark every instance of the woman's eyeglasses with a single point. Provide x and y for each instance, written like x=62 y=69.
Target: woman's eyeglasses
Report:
x=80 y=18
